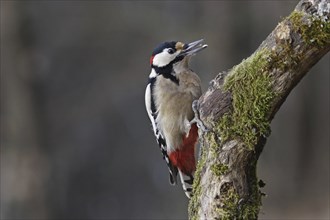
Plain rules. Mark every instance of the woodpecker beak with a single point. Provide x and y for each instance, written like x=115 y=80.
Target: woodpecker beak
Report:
x=192 y=48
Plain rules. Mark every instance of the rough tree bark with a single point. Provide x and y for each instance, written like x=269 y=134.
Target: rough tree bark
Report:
x=239 y=105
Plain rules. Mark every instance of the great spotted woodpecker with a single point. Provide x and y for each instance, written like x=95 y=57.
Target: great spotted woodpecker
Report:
x=169 y=95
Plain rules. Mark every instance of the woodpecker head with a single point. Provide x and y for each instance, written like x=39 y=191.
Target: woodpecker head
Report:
x=173 y=52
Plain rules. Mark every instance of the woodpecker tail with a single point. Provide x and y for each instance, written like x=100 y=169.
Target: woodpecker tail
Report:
x=187 y=182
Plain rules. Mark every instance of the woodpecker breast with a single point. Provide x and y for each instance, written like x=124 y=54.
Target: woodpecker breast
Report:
x=174 y=104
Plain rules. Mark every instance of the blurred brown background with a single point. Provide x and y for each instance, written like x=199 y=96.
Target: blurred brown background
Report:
x=76 y=142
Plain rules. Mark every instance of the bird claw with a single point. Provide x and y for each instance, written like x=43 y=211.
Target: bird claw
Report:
x=196 y=119
x=200 y=124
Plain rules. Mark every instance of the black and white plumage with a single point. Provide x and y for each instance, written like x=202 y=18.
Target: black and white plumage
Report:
x=171 y=89
x=152 y=113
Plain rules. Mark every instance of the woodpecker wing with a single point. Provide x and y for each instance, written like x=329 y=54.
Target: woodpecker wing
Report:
x=152 y=113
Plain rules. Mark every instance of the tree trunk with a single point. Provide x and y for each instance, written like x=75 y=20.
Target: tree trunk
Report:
x=239 y=105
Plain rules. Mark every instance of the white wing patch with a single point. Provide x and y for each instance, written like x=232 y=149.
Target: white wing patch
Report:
x=152 y=113
x=148 y=108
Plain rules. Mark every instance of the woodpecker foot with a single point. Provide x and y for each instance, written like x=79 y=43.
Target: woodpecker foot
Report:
x=196 y=119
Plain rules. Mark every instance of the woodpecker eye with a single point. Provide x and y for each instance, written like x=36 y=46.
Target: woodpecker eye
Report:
x=170 y=51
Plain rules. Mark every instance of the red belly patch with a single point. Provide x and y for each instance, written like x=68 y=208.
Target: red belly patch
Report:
x=184 y=158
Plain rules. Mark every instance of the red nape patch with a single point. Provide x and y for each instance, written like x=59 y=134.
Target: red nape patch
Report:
x=151 y=59
x=184 y=158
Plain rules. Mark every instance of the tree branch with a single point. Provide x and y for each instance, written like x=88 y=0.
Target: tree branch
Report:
x=239 y=105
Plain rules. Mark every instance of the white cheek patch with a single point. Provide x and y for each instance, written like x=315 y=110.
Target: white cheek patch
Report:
x=163 y=58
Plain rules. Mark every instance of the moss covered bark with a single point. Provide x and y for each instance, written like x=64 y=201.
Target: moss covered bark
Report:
x=238 y=109
x=251 y=87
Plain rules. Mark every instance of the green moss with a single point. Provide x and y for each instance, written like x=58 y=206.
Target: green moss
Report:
x=230 y=205
x=235 y=208
x=211 y=140
x=249 y=211
x=194 y=201
x=251 y=90
x=229 y=200
x=313 y=30
x=219 y=169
